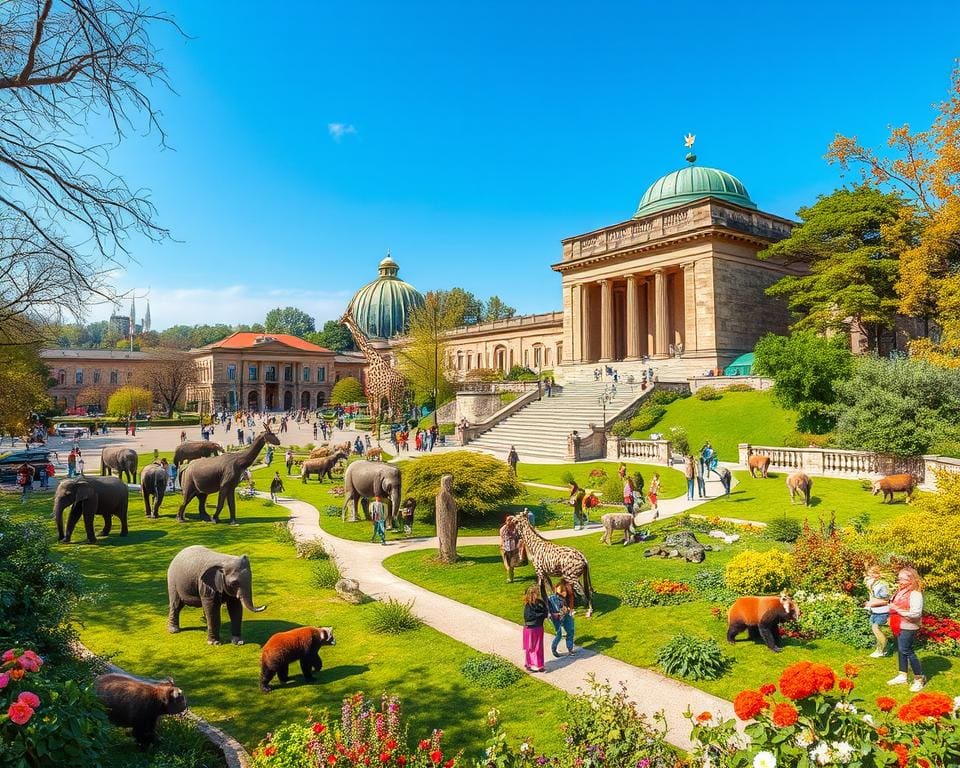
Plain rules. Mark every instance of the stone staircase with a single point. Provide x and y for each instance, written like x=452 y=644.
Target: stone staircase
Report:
x=674 y=369
x=540 y=429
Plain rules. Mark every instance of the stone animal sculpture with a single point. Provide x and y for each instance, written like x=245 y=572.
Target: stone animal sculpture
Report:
x=202 y=578
x=220 y=475
x=681 y=544
x=619 y=521
x=758 y=463
x=138 y=704
x=383 y=381
x=284 y=648
x=894 y=483
x=318 y=453
x=365 y=479
x=761 y=617
x=321 y=466
x=799 y=483
x=153 y=485
x=195 y=449
x=88 y=497
x=123 y=461
x=549 y=559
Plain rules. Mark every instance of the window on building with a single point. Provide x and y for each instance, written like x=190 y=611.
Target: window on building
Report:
x=231 y=373
x=270 y=373
x=288 y=373
x=78 y=377
x=469 y=360
x=538 y=356
x=526 y=358
x=322 y=374
x=114 y=377
x=459 y=361
x=96 y=375
x=546 y=356
x=306 y=373
x=61 y=377
x=252 y=373
x=129 y=376
x=559 y=353
x=232 y=399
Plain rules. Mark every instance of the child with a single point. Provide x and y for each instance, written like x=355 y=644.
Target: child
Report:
x=377 y=515
x=534 y=614
x=276 y=486
x=408 y=509
x=879 y=606
x=654 y=492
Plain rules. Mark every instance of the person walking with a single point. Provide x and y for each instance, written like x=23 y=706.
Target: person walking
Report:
x=622 y=471
x=548 y=385
x=906 y=610
x=172 y=469
x=700 y=480
x=628 y=497
x=409 y=507
x=690 y=475
x=654 y=493
x=72 y=463
x=513 y=459
x=878 y=604
x=534 y=614
x=378 y=515
x=288 y=459
x=509 y=547
x=24 y=480
x=46 y=472
x=725 y=480
x=269 y=455
x=79 y=463
x=577 y=495
x=561 y=607
x=276 y=486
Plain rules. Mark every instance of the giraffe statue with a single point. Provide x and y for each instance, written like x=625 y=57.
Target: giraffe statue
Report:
x=383 y=380
x=551 y=559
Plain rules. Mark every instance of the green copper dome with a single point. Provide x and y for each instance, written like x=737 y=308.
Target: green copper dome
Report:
x=382 y=308
x=689 y=184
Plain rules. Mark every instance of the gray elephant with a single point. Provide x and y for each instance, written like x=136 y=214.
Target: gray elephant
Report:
x=195 y=449
x=365 y=479
x=87 y=497
x=153 y=484
x=202 y=578
x=121 y=459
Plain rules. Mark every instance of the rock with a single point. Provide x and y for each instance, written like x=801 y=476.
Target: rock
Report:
x=681 y=544
x=727 y=538
x=349 y=591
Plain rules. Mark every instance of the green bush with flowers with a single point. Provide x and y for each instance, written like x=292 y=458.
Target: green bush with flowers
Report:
x=836 y=616
x=758 y=573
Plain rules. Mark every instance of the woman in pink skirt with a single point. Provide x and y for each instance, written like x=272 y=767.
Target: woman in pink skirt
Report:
x=534 y=614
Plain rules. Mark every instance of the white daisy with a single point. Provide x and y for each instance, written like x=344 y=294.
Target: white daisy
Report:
x=843 y=751
x=804 y=739
x=765 y=759
x=820 y=754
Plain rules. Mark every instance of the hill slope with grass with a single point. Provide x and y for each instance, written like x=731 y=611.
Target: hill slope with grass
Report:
x=737 y=417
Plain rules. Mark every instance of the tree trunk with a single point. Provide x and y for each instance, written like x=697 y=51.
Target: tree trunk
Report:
x=447 y=521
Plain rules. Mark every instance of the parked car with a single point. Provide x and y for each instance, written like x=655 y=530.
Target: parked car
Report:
x=35 y=457
x=65 y=429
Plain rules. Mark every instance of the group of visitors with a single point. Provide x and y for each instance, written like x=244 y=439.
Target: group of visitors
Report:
x=27 y=474
x=537 y=608
x=378 y=516
x=74 y=462
x=424 y=440
x=902 y=610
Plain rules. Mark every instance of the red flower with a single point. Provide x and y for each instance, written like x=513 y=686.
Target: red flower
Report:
x=319 y=728
x=402 y=760
x=923 y=762
x=384 y=757
x=925 y=705
x=785 y=715
x=391 y=744
x=425 y=744
x=885 y=703
x=845 y=685
x=749 y=704
x=436 y=756
x=30 y=699
x=768 y=689
x=269 y=751
x=19 y=712
x=704 y=717
x=902 y=754
x=449 y=763
x=806 y=678
x=851 y=670
x=331 y=759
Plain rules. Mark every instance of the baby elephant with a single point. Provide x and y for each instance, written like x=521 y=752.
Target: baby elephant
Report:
x=800 y=483
x=284 y=648
x=138 y=704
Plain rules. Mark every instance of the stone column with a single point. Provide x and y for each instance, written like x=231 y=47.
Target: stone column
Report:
x=633 y=319
x=661 y=308
x=643 y=348
x=606 y=320
x=585 y=309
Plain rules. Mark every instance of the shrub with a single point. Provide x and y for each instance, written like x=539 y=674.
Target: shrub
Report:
x=484 y=374
x=692 y=657
x=611 y=490
x=391 y=617
x=646 y=592
x=835 y=616
x=797 y=439
x=708 y=393
x=481 y=484
x=621 y=428
x=758 y=573
x=646 y=417
x=520 y=373
x=663 y=397
x=490 y=671
x=738 y=386
x=934 y=605
x=782 y=529
x=567 y=478
x=710 y=585
x=347 y=390
x=826 y=560
x=312 y=549
x=325 y=574
x=678 y=436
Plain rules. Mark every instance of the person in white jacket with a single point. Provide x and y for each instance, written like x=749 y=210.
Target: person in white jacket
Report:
x=906 y=610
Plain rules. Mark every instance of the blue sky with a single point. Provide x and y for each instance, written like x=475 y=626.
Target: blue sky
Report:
x=474 y=136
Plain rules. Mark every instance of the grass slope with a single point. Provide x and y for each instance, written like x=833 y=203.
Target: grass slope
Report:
x=127 y=623
x=672 y=481
x=737 y=417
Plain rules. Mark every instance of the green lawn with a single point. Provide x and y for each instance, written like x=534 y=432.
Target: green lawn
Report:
x=672 y=481
x=127 y=623
x=738 y=417
x=635 y=634
x=763 y=499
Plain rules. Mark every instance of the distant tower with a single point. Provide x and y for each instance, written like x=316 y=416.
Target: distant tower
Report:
x=146 y=318
x=133 y=312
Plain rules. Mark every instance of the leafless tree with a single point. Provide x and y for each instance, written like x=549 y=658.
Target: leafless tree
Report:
x=167 y=375
x=69 y=70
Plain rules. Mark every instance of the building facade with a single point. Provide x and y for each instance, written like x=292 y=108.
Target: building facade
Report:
x=97 y=373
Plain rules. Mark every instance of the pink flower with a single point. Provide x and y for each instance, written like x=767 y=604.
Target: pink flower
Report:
x=8 y=655
x=4 y=680
x=30 y=661
x=19 y=713
x=30 y=699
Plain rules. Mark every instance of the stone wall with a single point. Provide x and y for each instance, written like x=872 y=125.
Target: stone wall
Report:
x=743 y=310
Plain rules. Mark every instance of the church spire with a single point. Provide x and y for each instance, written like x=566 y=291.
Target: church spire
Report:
x=133 y=313
x=146 y=318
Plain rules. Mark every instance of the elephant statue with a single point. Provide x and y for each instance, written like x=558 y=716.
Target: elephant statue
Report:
x=153 y=483
x=121 y=459
x=195 y=449
x=89 y=496
x=365 y=479
x=220 y=475
x=202 y=578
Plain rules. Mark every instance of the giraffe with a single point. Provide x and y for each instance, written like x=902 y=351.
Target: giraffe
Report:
x=383 y=380
x=551 y=559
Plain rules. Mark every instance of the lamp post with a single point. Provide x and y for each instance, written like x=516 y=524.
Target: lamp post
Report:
x=607 y=395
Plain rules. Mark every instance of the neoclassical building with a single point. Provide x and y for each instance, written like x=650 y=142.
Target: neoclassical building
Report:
x=100 y=371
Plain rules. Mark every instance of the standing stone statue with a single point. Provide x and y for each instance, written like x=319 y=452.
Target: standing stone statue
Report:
x=447 y=520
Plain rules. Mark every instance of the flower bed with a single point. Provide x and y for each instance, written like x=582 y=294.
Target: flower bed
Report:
x=648 y=592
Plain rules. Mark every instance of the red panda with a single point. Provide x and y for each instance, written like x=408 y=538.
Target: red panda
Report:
x=761 y=616
x=283 y=648
x=138 y=704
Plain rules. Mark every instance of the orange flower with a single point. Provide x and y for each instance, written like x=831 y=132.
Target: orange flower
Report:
x=704 y=717
x=885 y=703
x=269 y=751
x=806 y=678
x=902 y=754
x=16 y=674
x=845 y=684
x=785 y=715
x=749 y=704
x=768 y=689
x=925 y=705
x=851 y=670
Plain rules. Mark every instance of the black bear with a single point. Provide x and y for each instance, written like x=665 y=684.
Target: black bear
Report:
x=138 y=704
x=284 y=648
x=761 y=616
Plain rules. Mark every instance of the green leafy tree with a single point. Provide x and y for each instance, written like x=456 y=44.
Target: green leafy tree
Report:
x=96 y=332
x=333 y=336
x=850 y=241
x=497 y=310
x=128 y=401
x=290 y=320
x=23 y=382
x=901 y=406
x=805 y=369
x=346 y=391
x=471 y=310
x=481 y=484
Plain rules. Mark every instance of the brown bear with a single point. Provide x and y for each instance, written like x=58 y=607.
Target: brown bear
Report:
x=284 y=648
x=138 y=704
x=761 y=617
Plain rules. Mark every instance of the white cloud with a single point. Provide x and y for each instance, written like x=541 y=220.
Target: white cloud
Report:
x=339 y=130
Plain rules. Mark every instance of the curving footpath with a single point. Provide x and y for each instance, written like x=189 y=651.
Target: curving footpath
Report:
x=491 y=634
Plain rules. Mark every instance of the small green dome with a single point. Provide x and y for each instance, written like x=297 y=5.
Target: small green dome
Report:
x=382 y=308
x=689 y=184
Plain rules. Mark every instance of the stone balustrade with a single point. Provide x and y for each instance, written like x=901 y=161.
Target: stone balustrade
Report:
x=649 y=451
x=833 y=462
x=719 y=382
x=934 y=464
